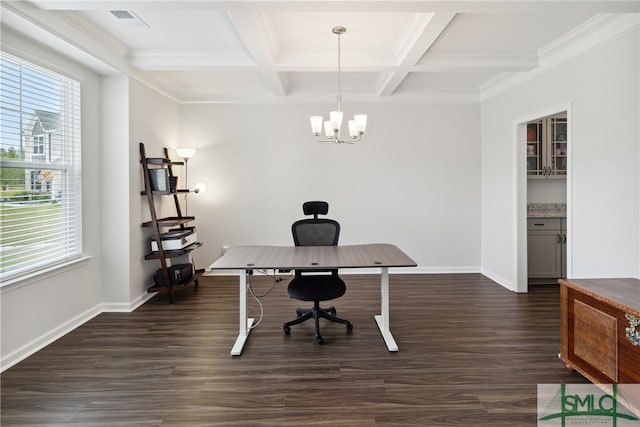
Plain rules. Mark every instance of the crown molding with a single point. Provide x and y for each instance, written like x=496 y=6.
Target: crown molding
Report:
x=595 y=32
x=466 y=61
x=159 y=60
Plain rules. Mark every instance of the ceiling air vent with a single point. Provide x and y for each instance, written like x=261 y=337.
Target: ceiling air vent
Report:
x=128 y=16
x=123 y=14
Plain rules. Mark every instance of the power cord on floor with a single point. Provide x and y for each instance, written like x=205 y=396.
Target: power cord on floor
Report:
x=276 y=280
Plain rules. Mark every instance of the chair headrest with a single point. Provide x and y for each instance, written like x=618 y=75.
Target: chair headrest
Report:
x=315 y=208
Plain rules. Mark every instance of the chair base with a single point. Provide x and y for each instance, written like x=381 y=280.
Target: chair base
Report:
x=316 y=313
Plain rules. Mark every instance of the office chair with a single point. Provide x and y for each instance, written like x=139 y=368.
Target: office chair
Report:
x=308 y=285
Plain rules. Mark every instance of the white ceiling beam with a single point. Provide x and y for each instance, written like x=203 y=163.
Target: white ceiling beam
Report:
x=255 y=32
x=414 y=47
x=191 y=60
x=96 y=49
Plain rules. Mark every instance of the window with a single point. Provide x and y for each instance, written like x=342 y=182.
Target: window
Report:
x=38 y=146
x=40 y=174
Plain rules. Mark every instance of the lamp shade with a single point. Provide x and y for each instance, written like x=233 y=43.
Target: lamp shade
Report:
x=353 y=132
x=361 y=122
x=316 y=124
x=186 y=153
x=327 y=129
x=335 y=117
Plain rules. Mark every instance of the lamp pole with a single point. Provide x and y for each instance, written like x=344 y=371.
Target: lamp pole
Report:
x=186 y=154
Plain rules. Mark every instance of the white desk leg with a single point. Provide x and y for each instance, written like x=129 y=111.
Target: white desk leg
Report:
x=383 y=318
x=245 y=324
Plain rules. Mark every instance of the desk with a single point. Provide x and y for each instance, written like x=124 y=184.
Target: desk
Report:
x=246 y=258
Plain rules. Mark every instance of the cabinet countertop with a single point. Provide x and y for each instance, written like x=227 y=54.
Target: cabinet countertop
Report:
x=546 y=210
x=547 y=214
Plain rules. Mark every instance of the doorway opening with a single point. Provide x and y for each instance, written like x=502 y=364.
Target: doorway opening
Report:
x=543 y=194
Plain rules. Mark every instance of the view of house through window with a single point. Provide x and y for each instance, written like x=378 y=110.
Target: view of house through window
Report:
x=40 y=174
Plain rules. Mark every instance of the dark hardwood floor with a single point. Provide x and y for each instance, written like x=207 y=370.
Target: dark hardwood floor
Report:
x=471 y=354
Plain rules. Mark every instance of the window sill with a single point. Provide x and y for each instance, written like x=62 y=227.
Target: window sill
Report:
x=37 y=276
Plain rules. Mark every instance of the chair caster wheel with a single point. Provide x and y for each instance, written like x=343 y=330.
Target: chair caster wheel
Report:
x=319 y=339
x=349 y=327
x=287 y=330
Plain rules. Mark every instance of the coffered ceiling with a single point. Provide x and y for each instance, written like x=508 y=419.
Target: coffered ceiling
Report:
x=284 y=51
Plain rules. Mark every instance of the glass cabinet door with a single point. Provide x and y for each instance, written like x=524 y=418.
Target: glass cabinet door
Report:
x=534 y=149
x=558 y=146
x=547 y=148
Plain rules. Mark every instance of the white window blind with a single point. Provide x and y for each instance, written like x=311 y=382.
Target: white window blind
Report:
x=40 y=174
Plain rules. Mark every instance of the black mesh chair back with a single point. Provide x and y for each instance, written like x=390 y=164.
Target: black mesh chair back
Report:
x=315 y=232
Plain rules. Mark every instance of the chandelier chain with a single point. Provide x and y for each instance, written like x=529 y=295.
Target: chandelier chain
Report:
x=339 y=77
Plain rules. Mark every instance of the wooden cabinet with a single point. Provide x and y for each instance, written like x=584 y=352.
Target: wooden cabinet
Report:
x=546 y=249
x=600 y=334
x=159 y=181
x=547 y=148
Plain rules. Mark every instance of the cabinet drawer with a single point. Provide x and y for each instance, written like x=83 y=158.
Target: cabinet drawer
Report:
x=544 y=224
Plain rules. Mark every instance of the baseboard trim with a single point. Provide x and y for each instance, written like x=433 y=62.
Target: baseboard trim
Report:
x=127 y=307
x=44 y=340
x=499 y=279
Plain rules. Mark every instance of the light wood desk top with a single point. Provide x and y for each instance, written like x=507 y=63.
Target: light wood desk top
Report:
x=247 y=258
x=313 y=257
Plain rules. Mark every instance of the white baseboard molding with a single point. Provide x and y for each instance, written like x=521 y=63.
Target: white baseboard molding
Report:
x=127 y=307
x=44 y=340
x=498 y=279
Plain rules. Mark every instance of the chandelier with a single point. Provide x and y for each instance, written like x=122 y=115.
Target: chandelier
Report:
x=332 y=126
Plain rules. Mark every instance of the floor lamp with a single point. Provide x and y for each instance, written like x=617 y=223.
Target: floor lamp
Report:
x=186 y=154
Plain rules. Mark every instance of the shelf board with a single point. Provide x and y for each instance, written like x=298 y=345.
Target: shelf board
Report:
x=196 y=275
x=174 y=253
x=161 y=161
x=170 y=221
x=166 y=193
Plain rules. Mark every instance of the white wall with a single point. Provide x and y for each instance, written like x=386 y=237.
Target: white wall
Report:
x=602 y=88
x=133 y=113
x=412 y=181
x=114 y=182
x=153 y=120
x=38 y=310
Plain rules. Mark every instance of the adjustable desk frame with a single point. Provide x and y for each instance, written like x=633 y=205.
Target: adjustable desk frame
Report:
x=247 y=258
